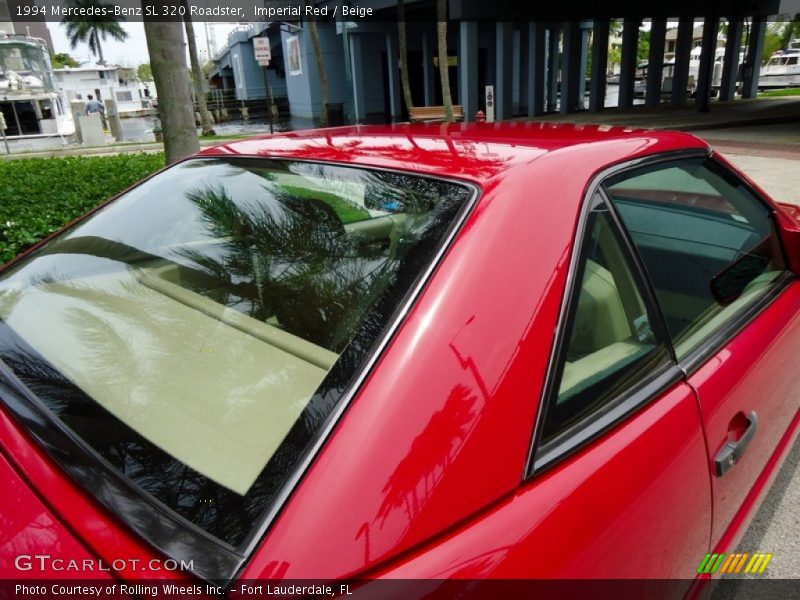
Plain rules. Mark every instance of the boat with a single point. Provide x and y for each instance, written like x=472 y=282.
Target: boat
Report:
x=29 y=100
x=667 y=76
x=692 y=74
x=782 y=69
x=104 y=82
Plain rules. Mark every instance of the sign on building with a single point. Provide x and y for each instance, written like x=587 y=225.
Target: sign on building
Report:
x=293 y=55
x=262 y=50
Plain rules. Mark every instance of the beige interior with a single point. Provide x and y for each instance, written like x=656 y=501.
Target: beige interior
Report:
x=376 y=228
x=717 y=317
x=161 y=280
x=214 y=388
x=580 y=373
x=601 y=331
x=600 y=318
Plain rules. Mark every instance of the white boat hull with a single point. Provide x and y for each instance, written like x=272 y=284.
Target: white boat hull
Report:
x=778 y=80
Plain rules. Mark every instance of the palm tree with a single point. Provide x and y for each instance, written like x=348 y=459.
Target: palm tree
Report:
x=168 y=62
x=441 y=30
x=790 y=31
x=401 y=40
x=197 y=75
x=323 y=74
x=91 y=30
x=292 y=261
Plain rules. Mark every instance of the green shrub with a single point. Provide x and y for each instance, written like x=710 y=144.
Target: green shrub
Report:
x=40 y=195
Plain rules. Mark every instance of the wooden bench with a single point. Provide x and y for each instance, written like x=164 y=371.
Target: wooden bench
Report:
x=433 y=114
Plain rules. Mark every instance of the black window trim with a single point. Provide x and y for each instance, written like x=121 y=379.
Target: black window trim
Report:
x=626 y=403
x=164 y=530
x=544 y=456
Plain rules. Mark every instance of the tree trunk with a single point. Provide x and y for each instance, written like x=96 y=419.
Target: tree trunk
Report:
x=402 y=43
x=168 y=62
x=323 y=73
x=441 y=30
x=197 y=77
x=100 y=59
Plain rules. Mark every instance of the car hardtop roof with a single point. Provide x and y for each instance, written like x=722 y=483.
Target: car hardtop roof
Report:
x=472 y=151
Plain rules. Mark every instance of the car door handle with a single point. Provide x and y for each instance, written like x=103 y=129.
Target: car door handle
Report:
x=731 y=452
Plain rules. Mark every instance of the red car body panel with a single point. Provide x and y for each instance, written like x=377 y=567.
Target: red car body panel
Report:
x=105 y=538
x=603 y=503
x=28 y=529
x=433 y=485
x=737 y=527
x=755 y=371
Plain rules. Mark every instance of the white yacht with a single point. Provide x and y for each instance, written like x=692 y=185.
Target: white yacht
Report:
x=29 y=100
x=782 y=69
x=133 y=98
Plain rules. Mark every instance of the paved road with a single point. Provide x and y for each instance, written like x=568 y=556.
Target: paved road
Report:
x=779 y=177
x=776 y=527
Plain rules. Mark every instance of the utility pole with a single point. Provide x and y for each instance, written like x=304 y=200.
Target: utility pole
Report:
x=263 y=56
x=348 y=68
x=268 y=99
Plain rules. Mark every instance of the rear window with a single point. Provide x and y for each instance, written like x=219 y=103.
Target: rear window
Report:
x=198 y=332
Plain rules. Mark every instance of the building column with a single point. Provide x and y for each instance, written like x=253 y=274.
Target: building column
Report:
x=503 y=89
x=536 y=69
x=570 y=67
x=597 y=86
x=427 y=71
x=524 y=68
x=705 y=73
x=356 y=54
x=758 y=30
x=552 y=68
x=583 y=40
x=680 y=74
x=730 y=62
x=655 y=66
x=517 y=63
x=468 y=68
x=490 y=61
x=627 y=75
x=394 y=79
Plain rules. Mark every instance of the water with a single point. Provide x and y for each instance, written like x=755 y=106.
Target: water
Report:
x=140 y=129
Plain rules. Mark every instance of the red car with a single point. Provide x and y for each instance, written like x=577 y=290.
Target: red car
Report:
x=471 y=351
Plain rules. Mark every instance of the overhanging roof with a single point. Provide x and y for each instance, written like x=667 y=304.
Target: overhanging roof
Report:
x=614 y=9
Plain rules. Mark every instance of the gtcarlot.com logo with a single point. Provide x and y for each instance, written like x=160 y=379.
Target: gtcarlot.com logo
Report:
x=47 y=564
x=740 y=562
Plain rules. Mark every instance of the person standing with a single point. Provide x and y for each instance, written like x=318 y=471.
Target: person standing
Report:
x=96 y=107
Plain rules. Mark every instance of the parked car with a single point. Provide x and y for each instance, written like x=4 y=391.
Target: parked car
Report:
x=512 y=350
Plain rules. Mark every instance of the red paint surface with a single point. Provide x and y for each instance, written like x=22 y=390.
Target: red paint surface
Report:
x=422 y=477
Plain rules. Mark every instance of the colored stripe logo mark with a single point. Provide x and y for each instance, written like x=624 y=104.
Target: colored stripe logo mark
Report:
x=740 y=562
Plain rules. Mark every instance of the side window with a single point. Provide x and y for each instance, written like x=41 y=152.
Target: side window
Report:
x=610 y=343
x=709 y=246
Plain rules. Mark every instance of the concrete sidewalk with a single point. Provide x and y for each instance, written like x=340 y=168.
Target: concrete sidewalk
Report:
x=769 y=154
x=779 y=177
x=125 y=148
